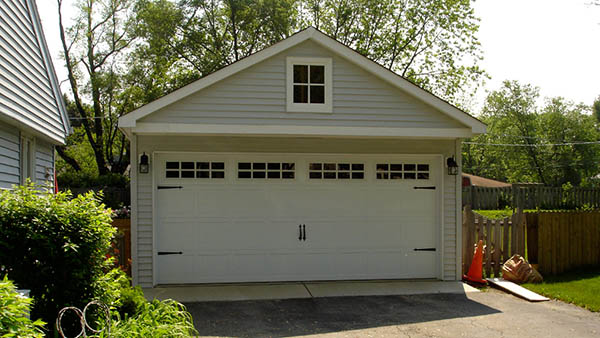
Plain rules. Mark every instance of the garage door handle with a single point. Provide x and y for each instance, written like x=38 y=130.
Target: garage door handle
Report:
x=304 y=232
x=162 y=253
x=300 y=232
x=169 y=187
x=424 y=249
x=426 y=188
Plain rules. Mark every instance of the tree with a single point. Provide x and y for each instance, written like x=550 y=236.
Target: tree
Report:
x=552 y=145
x=596 y=108
x=432 y=43
x=93 y=49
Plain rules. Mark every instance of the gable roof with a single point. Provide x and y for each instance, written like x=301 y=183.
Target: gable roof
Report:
x=310 y=33
x=31 y=95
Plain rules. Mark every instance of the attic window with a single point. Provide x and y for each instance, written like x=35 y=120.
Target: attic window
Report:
x=309 y=85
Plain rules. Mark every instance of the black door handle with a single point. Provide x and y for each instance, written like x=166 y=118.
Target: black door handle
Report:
x=161 y=253
x=424 y=249
x=304 y=232
x=300 y=232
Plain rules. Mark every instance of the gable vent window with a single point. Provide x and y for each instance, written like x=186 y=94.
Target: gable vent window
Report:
x=309 y=85
x=399 y=171
x=195 y=170
x=266 y=170
x=332 y=171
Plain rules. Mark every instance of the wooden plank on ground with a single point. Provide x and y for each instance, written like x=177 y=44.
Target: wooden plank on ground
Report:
x=517 y=290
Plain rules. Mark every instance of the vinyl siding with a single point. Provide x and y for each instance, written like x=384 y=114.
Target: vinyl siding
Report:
x=257 y=95
x=150 y=144
x=9 y=156
x=26 y=93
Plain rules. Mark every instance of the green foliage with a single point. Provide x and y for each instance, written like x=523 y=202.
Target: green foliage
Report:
x=133 y=316
x=581 y=287
x=155 y=319
x=13 y=313
x=540 y=133
x=79 y=179
x=54 y=245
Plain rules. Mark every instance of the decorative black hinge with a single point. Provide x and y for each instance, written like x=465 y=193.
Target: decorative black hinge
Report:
x=169 y=187
x=424 y=249
x=426 y=188
x=162 y=253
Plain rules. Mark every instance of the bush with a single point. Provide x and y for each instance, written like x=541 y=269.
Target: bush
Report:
x=133 y=316
x=13 y=313
x=54 y=245
x=80 y=179
x=155 y=319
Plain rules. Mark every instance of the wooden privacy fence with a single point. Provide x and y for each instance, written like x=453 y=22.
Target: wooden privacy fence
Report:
x=122 y=243
x=566 y=240
x=530 y=197
x=501 y=238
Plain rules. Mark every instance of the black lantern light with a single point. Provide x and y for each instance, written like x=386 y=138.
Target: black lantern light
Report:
x=144 y=166
x=452 y=166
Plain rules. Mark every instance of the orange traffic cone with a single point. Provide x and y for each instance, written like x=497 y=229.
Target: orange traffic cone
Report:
x=475 y=274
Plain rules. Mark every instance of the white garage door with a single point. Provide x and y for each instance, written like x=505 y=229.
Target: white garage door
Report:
x=247 y=218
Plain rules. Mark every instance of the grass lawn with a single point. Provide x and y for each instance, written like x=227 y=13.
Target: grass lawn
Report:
x=581 y=288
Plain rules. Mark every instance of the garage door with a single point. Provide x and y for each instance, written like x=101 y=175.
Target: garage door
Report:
x=250 y=218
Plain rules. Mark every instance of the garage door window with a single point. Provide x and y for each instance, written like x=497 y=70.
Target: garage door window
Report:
x=195 y=169
x=266 y=170
x=328 y=171
x=399 y=171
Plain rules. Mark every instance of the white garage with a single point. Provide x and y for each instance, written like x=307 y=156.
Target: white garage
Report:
x=302 y=162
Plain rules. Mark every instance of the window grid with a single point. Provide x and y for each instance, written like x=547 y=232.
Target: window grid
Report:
x=399 y=171
x=189 y=169
x=355 y=171
x=266 y=170
x=312 y=85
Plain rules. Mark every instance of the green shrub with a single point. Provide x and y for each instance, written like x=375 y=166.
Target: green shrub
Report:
x=155 y=319
x=80 y=179
x=13 y=313
x=54 y=245
x=116 y=292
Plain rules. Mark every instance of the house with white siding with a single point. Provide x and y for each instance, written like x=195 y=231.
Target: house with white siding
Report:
x=33 y=117
x=304 y=161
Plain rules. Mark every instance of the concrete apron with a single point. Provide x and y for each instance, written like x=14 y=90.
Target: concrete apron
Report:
x=262 y=291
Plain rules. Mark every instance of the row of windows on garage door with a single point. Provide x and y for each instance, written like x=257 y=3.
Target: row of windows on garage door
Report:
x=287 y=170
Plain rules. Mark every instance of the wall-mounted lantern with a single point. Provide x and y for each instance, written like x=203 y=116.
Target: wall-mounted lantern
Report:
x=144 y=166
x=452 y=166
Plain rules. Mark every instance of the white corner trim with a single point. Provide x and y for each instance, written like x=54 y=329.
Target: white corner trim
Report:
x=476 y=126
x=279 y=130
x=134 y=209
x=327 y=107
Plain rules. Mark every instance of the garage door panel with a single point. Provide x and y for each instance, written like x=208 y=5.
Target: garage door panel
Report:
x=238 y=230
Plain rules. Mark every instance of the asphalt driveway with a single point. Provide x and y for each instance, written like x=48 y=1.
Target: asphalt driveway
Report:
x=485 y=314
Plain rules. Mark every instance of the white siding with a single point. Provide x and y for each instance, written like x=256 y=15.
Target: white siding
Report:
x=449 y=226
x=150 y=144
x=257 y=95
x=44 y=162
x=9 y=156
x=26 y=93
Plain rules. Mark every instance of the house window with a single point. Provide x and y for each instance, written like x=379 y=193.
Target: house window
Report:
x=268 y=170
x=340 y=171
x=175 y=169
x=309 y=85
x=399 y=171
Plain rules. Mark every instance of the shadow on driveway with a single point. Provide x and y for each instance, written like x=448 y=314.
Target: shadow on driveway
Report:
x=296 y=317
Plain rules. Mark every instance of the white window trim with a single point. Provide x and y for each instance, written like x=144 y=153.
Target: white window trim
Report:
x=326 y=107
x=27 y=158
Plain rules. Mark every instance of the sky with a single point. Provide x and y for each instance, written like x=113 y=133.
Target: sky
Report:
x=551 y=44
